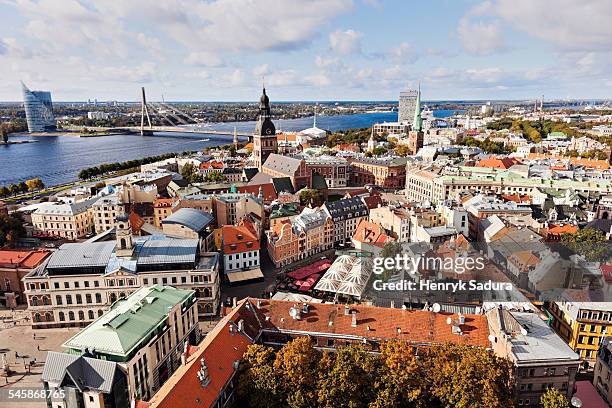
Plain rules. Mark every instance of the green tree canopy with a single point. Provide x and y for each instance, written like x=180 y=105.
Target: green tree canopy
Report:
x=588 y=242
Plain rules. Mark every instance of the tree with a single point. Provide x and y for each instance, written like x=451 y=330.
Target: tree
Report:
x=190 y=173
x=311 y=196
x=296 y=364
x=552 y=398
x=259 y=386
x=401 y=377
x=11 y=229
x=348 y=378
x=215 y=176
x=4 y=191
x=463 y=376
x=588 y=242
x=34 y=184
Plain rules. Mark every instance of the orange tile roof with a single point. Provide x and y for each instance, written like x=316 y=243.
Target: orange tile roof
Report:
x=380 y=323
x=136 y=221
x=517 y=198
x=497 y=163
x=211 y=164
x=163 y=202
x=557 y=229
x=220 y=349
x=291 y=136
x=239 y=238
x=370 y=233
x=22 y=259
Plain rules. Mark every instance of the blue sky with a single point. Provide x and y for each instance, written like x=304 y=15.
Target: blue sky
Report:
x=307 y=49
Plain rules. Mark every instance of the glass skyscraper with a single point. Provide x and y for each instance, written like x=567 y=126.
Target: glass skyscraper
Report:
x=39 y=110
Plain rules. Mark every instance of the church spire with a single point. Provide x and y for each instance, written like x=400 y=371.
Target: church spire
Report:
x=417 y=124
x=314 y=120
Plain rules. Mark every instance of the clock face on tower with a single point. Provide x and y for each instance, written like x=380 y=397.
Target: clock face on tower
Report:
x=268 y=131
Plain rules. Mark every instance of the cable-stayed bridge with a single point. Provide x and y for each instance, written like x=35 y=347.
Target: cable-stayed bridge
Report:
x=171 y=119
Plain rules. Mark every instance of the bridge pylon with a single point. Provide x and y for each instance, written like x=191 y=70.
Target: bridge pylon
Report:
x=144 y=111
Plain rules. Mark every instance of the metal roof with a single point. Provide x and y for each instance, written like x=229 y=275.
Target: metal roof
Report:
x=193 y=219
x=168 y=251
x=130 y=321
x=75 y=255
x=86 y=373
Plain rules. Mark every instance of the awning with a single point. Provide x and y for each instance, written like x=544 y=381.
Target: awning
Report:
x=241 y=276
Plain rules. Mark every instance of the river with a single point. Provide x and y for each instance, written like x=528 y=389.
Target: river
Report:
x=58 y=159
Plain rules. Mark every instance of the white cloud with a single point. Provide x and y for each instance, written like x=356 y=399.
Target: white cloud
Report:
x=203 y=59
x=404 y=53
x=479 y=37
x=345 y=42
x=568 y=24
x=323 y=62
x=235 y=78
x=261 y=70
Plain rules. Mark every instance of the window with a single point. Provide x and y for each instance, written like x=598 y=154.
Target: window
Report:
x=76 y=284
x=81 y=315
x=145 y=281
x=98 y=298
x=71 y=315
x=56 y=285
x=91 y=315
x=96 y=284
x=62 y=317
x=88 y=298
x=68 y=299
x=66 y=285
x=86 y=283
x=79 y=299
x=58 y=300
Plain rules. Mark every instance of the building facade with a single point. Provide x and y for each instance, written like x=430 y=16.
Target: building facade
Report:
x=64 y=220
x=346 y=214
x=39 y=110
x=386 y=173
x=80 y=281
x=146 y=333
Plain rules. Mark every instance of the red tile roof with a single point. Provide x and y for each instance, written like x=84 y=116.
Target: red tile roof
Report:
x=268 y=191
x=220 y=349
x=241 y=238
x=376 y=323
x=211 y=164
x=496 y=162
x=22 y=259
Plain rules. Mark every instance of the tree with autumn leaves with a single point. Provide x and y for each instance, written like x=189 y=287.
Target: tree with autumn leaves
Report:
x=299 y=376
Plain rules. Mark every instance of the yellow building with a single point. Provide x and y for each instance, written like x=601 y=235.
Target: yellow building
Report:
x=582 y=325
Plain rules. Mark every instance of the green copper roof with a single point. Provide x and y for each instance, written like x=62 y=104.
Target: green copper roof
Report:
x=417 y=123
x=130 y=323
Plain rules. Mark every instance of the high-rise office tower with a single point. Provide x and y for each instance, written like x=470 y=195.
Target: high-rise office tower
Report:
x=407 y=104
x=39 y=110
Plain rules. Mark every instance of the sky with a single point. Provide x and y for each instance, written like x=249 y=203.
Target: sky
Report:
x=223 y=50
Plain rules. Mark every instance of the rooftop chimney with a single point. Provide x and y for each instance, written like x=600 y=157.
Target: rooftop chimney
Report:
x=202 y=374
x=354 y=319
x=347 y=310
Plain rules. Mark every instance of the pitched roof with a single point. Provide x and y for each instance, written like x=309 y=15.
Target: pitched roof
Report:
x=370 y=233
x=240 y=238
x=376 y=323
x=86 y=373
x=269 y=194
x=283 y=164
x=346 y=208
x=124 y=327
x=191 y=218
x=497 y=162
x=283 y=184
x=221 y=349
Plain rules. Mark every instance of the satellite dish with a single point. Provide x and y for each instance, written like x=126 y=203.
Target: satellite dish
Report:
x=449 y=320
x=293 y=312
x=492 y=338
x=478 y=310
x=436 y=308
x=523 y=331
x=576 y=402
